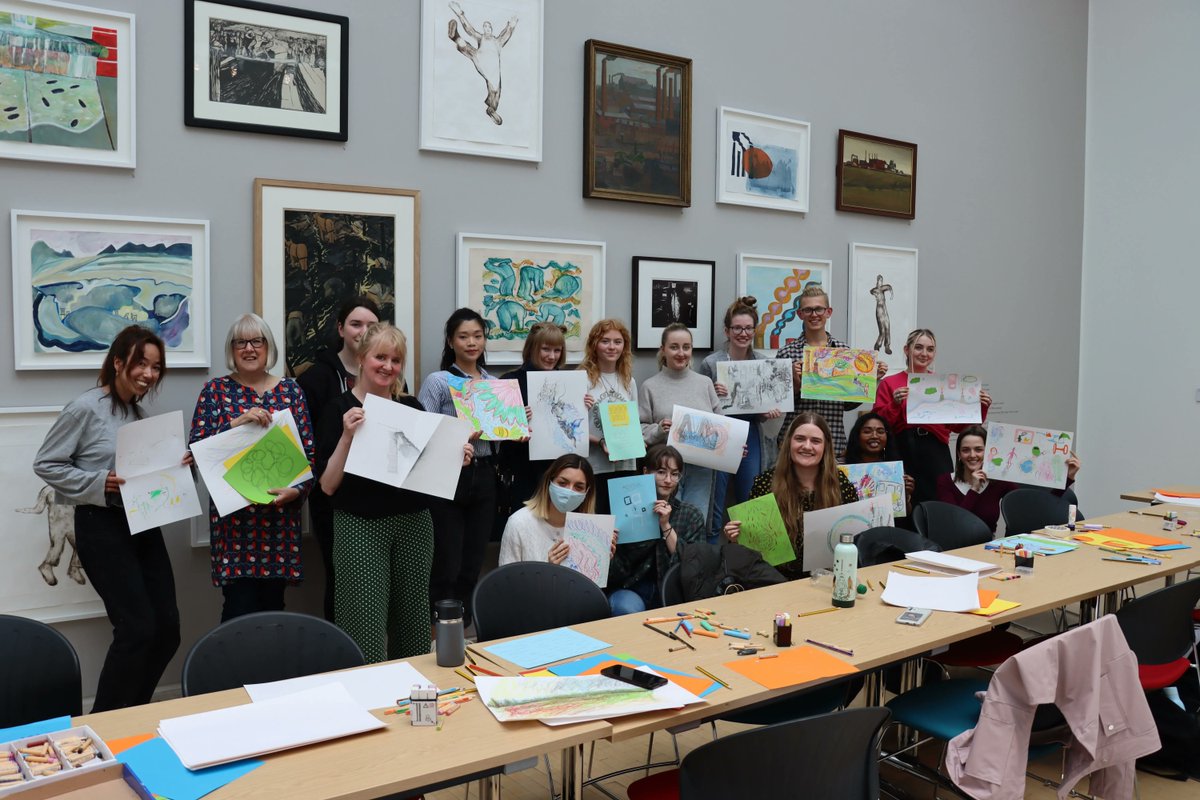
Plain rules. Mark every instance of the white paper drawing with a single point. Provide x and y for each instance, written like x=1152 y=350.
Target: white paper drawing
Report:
x=390 y=440
x=437 y=470
x=876 y=479
x=589 y=537
x=944 y=398
x=822 y=528
x=158 y=489
x=756 y=386
x=559 y=423
x=708 y=440
x=1021 y=454
x=883 y=300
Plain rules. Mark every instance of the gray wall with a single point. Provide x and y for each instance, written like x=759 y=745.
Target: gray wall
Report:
x=993 y=93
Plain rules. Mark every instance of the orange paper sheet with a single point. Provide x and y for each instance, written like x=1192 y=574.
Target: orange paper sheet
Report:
x=800 y=665
x=126 y=742
x=1165 y=493
x=696 y=686
x=987 y=597
x=1119 y=537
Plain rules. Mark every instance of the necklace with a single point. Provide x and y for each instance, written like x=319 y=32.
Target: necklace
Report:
x=609 y=388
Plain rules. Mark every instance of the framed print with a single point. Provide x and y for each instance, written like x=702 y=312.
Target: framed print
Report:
x=876 y=175
x=40 y=574
x=67 y=84
x=762 y=161
x=667 y=290
x=516 y=281
x=637 y=128
x=776 y=283
x=79 y=279
x=316 y=244
x=467 y=48
x=262 y=68
x=883 y=300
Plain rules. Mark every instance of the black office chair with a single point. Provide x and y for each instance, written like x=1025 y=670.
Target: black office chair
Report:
x=950 y=526
x=39 y=673
x=529 y=596
x=672 y=587
x=1158 y=628
x=884 y=544
x=1030 y=509
x=264 y=647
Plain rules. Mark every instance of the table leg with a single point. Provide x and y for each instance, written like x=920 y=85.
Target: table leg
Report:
x=572 y=772
x=489 y=787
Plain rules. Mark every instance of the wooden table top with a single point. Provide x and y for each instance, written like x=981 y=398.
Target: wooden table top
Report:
x=1147 y=495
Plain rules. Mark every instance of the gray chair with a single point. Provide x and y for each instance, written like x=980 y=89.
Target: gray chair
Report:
x=1030 y=509
x=529 y=596
x=949 y=526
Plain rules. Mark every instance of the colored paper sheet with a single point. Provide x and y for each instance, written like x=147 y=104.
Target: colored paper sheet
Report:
x=823 y=527
x=559 y=425
x=494 y=407
x=126 y=742
x=158 y=489
x=1119 y=537
x=546 y=648
x=1033 y=456
x=622 y=430
x=987 y=597
x=34 y=728
x=756 y=386
x=1177 y=495
x=631 y=501
x=880 y=479
x=589 y=541
x=274 y=461
x=1178 y=499
x=839 y=373
x=792 y=667
x=390 y=441
x=1036 y=544
x=995 y=607
x=707 y=439
x=949 y=398
x=695 y=684
x=161 y=771
x=763 y=529
x=579 y=666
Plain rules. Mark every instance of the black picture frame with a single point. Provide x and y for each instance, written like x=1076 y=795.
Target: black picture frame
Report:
x=667 y=290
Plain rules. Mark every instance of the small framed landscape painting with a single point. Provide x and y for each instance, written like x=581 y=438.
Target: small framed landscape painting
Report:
x=667 y=290
x=762 y=160
x=876 y=175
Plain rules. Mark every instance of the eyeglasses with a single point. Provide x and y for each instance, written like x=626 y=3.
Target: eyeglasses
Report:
x=242 y=344
x=813 y=311
x=742 y=329
x=666 y=473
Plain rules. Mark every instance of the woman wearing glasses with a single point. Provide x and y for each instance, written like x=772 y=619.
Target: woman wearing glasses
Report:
x=255 y=551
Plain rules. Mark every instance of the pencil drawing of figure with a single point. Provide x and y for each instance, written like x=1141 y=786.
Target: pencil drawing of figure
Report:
x=882 y=321
x=60 y=524
x=402 y=448
x=484 y=54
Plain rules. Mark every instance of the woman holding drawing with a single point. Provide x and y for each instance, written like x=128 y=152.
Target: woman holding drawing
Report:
x=545 y=350
x=255 y=551
x=534 y=532
x=805 y=478
x=871 y=442
x=608 y=361
x=132 y=574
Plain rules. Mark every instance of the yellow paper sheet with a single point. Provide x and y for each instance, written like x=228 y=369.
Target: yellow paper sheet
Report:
x=995 y=607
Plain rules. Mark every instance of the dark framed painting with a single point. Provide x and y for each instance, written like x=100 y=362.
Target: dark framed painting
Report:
x=265 y=69
x=637 y=129
x=876 y=175
x=667 y=290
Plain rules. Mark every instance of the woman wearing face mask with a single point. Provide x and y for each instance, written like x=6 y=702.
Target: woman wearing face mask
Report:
x=534 y=532
x=608 y=361
x=545 y=350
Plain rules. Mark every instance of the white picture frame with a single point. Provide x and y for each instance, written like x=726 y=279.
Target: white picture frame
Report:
x=776 y=283
x=762 y=160
x=455 y=105
x=882 y=279
x=53 y=251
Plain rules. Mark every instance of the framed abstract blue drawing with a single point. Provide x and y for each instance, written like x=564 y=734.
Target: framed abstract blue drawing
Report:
x=762 y=160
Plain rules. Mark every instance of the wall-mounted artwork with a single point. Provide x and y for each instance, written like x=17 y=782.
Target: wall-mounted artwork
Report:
x=515 y=282
x=1033 y=456
x=316 y=244
x=943 y=398
x=883 y=300
x=876 y=175
x=762 y=160
x=79 y=279
x=481 y=77
x=40 y=574
x=776 y=282
x=263 y=68
x=668 y=290
x=637 y=131
x=66 y=84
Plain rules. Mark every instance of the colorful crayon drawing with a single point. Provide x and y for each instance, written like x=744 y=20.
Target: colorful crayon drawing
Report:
x=492 y=406
x=589 y=537
x=881 y=479
x=559 y=423
x=706 y=439
x=823 y=528
x=159 y=498
x=763 y=529
x=515 y=699
x=701 y=432
x=756 y=386
x=838 y=373
x=776 y=283
x=950 y=398
x=1033 y=456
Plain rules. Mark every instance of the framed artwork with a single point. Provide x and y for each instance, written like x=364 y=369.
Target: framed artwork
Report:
x=262 y=68
x=40 y=574
x=776 y=283
x=79 y=279
x=316 y=244
x=637 y=128
x=467 y=47
x=876 y=175
x=883 y=300
x=67 y=84
x=516 y=281
x=762 y=160
x=667 y=290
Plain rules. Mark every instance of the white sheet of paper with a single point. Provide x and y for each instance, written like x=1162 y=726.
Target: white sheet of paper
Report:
x=559 y=425
x=158 y=489
x=589 y=537
x=211 y=453
x=379 y=686
x=390 y=440
x=150 y=444
x=937 y=594
x=1022 y=454
x=822 y=527
x=255 y=729
x=437 y=470
x=943 y=398
x=1180 y=501
x=951 y=565
x=707 y=439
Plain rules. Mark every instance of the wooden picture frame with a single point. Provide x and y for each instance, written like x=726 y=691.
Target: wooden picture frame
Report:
x=667 y=290
x=644 y=155
x=876 y=175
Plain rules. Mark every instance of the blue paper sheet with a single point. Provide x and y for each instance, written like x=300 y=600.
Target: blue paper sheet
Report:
x=1037 y=545
x=161 y=771
x=545 y=648
x=584 y=664
x=631 y=501
x=34 y=728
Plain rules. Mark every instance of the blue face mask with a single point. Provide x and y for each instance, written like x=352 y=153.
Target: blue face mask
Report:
x=565 y=499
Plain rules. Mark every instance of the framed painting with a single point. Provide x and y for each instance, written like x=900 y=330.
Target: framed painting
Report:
x=667 y=290
x=515 y=282
x=67 y=86
x=40 y=574
x=262 y=68
x=883 y=300
x=762 y=161
x=467 y=46
x=316 y=244
x=776 y=283
x=79 y=279
x=637 y=128
x=876 y=175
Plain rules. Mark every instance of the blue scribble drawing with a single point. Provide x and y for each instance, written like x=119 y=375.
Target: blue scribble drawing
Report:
x=518 y=294
x=769 y=170
x=702 y=433
x=568 y=420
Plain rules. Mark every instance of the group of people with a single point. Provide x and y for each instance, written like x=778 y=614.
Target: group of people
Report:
x=389 y=552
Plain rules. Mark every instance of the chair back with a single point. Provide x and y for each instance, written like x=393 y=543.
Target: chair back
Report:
x=884 y=545
x=950 y=526
x=529 y=596
x=1158 y=625
x=672 y=586
x=832 y=755
x=1029 y=509
x=264 y=647
x=39 y=673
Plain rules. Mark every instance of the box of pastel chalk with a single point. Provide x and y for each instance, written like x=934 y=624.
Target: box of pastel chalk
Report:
x=50 y=759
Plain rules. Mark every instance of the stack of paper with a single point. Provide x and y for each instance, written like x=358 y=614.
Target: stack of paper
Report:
x=370 y=687
x=936 y=594
x=580 y=698
x=215 y=454
x=946 y=564
x=1164 y=496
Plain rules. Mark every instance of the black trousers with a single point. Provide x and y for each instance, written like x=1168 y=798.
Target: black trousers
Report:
x=248 y=595
x=461 y=529
x=925 y=457
x=320 y=511
x=132 y=575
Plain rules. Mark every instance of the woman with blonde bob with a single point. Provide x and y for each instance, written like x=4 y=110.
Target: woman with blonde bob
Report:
x=534 y=532
x=608 y=361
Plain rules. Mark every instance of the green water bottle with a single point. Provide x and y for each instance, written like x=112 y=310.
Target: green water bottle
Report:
x=845 y=571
